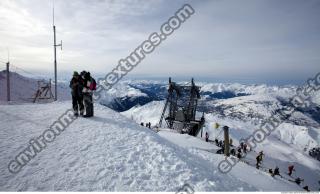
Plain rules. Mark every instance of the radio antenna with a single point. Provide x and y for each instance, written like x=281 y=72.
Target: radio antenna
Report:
x=55 y=45
x=52 y=12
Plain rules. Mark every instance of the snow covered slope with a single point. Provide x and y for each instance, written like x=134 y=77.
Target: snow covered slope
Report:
x=253 y=109
x=105 y=153
x=288 y=144
x=148 y=113
x=24 y=88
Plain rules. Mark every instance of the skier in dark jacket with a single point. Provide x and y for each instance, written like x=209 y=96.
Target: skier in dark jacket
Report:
x=76 y=85
x=207 y=137
x=233 y=152
x=271 y=172
x=216 y=141
x=259 y=159
x=306 y=188
x=239 y=156
x=276 y=171
x=298 y=180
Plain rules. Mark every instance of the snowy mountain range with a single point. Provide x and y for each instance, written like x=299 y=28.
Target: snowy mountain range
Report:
x=112 y=152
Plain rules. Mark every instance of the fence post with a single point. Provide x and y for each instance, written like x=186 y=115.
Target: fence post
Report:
x=226 y=141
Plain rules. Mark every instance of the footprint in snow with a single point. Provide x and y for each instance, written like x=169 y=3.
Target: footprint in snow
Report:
x=85 y=148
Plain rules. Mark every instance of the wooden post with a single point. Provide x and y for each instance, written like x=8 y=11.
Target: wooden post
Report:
x=8 y=82
x=226 y=141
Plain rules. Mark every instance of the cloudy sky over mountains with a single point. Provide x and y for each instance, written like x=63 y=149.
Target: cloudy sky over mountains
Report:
x=265 y=39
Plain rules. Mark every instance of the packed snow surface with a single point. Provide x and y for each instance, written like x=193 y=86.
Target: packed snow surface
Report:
x=104 y=153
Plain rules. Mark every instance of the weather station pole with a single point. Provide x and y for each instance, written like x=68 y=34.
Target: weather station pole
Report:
x=55 y=45
x=8 y=81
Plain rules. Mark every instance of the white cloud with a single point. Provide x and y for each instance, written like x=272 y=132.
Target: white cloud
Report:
x=224 y=38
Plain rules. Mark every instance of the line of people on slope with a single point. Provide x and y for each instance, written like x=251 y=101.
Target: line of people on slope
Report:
x=273 y=172
x=276 y=171
x=243 y=148
x=82 y=86
x=297 y=180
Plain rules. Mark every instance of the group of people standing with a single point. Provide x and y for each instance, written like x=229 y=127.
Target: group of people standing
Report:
x=82 y=86
x=147 y=124
x=240 y=150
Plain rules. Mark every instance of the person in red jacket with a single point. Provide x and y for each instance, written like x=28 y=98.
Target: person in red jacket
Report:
x=290 y=169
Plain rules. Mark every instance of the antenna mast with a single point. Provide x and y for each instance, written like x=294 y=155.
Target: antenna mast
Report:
x=55 y=45
x=8 y=76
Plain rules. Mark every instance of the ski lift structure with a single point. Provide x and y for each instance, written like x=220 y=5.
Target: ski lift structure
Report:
x=179 y=112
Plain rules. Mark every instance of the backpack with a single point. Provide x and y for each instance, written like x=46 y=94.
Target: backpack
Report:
x=93 y=85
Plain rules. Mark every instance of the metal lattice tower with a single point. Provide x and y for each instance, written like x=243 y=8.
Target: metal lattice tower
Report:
x=180 y=108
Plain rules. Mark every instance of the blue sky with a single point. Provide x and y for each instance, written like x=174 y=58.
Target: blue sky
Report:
x=258 y=40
